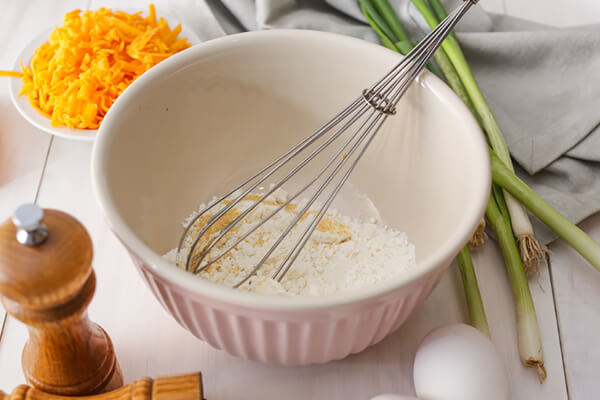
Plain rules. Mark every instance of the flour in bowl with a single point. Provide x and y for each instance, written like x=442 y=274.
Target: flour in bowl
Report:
x=342 y=254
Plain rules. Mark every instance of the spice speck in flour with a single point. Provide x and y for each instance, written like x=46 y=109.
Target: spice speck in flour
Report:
x=342 y=254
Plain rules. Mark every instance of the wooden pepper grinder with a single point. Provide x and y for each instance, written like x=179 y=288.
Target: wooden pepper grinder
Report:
x=47 y=282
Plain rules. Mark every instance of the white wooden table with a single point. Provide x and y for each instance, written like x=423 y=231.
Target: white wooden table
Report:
x=148 y=341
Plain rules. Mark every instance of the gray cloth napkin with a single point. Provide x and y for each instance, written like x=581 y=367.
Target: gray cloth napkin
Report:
x=542 y=83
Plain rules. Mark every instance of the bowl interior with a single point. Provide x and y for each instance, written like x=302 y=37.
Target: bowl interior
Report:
x=205 y=119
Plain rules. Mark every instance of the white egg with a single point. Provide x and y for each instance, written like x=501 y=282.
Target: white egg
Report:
x=389 y=396
x=458 y=362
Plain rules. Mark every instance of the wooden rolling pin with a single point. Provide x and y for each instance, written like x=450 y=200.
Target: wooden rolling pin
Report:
x=179 y=387
x=47 y=282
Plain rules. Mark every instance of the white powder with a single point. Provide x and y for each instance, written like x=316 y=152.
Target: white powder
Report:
x=342 y=254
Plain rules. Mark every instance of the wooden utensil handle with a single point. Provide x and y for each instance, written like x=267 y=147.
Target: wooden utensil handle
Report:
x=177 y=387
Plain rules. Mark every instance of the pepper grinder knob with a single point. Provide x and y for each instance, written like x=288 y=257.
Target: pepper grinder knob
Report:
x=47 y=282
x=28 y=220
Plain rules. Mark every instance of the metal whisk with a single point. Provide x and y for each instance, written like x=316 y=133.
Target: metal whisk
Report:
x=365 y=116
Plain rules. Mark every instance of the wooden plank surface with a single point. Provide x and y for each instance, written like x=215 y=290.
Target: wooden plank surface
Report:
x=577 y=292
x=576 y=285
x=149 y=342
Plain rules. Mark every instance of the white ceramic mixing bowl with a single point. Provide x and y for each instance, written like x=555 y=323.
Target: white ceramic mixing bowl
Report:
x=199 y=122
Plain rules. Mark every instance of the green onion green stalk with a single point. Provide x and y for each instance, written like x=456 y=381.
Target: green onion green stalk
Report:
x=471 y=288
x=532 y=252
x=386 y=35
x=383 y=20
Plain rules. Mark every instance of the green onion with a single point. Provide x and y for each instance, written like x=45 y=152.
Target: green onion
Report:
x=575 y=237
x=472 y=294
x=530 y=344
x=385 y=33
x=402 y=43
x=531 y=250
x=404 y=47
x=382 y=18
x=498 y=194
x=389 y=16
x=370 y=12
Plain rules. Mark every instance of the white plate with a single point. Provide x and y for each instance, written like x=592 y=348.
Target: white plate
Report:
x=40 y=121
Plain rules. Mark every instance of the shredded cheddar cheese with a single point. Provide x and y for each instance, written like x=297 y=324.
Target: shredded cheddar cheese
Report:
x=86 y=64
x=13 y=74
